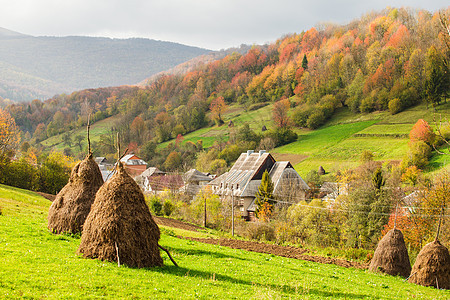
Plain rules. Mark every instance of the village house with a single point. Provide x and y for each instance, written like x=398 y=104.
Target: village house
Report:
x=244 y=178
x=143 y=180
x=133 y=164
x=194 y=180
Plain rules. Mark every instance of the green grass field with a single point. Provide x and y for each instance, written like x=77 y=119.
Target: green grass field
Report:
x=101 y=127
x=35 y=264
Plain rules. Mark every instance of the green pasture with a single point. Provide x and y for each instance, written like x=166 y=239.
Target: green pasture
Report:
x=36 y=264
x=96 y=130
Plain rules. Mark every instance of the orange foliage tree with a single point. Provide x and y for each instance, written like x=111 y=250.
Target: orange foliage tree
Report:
x=280 y=113
x=218 y=107
x=422 y=131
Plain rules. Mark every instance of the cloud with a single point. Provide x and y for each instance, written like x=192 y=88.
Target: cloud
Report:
x=211 y=24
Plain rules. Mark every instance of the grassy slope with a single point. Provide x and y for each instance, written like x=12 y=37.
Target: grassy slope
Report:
x=101 y=127
x=334 y=146
x=37 y=264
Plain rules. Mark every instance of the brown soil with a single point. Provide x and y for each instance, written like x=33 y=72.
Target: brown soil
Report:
x=176 y=224
x=284 y=251
x=50 y=197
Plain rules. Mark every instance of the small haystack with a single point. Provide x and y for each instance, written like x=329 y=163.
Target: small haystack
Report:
x=321 y=171
x=391 y=256
x=432 y=266
x=119 y=227
x=73 y=203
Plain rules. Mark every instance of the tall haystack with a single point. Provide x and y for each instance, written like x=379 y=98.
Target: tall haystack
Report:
x=119 y=227
x=73 y=203
x=391 y=256
x=432 y=266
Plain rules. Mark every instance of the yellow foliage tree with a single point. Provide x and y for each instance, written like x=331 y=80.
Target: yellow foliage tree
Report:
x=9 y=133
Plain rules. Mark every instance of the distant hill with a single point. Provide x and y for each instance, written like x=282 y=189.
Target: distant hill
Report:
x=40 y=67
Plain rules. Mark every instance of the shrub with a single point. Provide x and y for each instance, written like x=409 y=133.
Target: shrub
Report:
x=155 y=206
x=168 y=207
x=367 y=105
x=316 y=119
x=301 y=114
x=260 y=231
x=395 y=106
x=282 y=136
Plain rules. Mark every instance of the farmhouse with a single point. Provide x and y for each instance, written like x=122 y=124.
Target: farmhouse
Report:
x=194 y=180
x=244 y=178
x=133 y=164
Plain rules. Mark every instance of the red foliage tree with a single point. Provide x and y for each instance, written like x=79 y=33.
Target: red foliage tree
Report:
x=218 y=107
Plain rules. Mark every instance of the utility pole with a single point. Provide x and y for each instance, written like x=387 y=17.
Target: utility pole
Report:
x=232 y=214
x=204 y=220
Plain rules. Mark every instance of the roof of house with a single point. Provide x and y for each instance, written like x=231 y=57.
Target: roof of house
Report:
x=152 y=171
x=100 y=159
x=244 y=177
x=194 y=175
x=131 y=159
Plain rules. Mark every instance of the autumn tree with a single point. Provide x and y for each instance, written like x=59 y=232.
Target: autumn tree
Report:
x=422 y=131
x=9 y=133
x=173 y=161
x=280 y=113
x=218 y=107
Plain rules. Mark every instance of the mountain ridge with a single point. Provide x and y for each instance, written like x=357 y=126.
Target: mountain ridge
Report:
x=79 y=62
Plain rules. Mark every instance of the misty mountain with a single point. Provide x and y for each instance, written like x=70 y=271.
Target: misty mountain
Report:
x=40 y=67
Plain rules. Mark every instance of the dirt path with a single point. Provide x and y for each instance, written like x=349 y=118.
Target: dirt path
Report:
x=285 y=251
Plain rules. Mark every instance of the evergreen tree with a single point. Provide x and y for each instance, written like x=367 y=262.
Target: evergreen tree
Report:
x=435 y=83
x=264 y=193
x=305 y=62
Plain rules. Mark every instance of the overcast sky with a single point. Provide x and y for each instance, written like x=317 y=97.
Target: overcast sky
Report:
x=211 y=24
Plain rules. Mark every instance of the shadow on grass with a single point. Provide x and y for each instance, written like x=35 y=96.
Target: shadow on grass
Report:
x=292 y=290
x=202 y=253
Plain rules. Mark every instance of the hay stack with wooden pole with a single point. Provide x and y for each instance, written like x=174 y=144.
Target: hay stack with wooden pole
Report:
x=432 y=266
x=119 y=227
x=73 y=203
x=391 y=256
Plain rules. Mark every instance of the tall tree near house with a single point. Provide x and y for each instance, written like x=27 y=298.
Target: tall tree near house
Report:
x=218 y=107
x=264 y=196
x=280 y=113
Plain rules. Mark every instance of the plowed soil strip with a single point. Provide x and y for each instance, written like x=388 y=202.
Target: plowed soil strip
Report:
x=285 y=251
x=176 y=223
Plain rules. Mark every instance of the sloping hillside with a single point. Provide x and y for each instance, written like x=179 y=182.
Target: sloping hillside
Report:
x=40 y=67
x=35 y=263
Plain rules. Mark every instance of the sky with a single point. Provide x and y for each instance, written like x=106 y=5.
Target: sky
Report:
x=210 y=24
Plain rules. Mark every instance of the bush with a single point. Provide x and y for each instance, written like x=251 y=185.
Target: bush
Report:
x=261 y=231
x=168 y=207
x=395 y=106
x=301 y=115
x=155 y=206
x=316 y=119
x=282 y=136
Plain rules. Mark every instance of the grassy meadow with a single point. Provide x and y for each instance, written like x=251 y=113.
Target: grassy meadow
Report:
x=35 y=263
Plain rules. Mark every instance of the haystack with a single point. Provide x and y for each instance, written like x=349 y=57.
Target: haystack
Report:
x=73 y=203
x=119 y=227
x=432 y=266
x=391 y=256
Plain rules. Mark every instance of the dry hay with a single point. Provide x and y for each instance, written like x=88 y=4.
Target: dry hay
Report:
x=73 y=203
x=391 y=256
x=120 y=227
x=432 y=266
